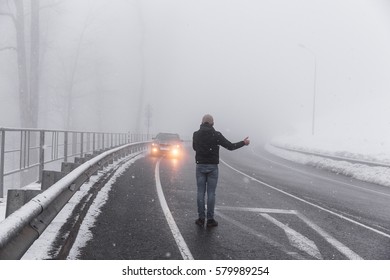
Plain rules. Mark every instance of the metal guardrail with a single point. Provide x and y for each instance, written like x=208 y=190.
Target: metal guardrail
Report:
x=353 y=160
x=19 y=230
x=25 y=151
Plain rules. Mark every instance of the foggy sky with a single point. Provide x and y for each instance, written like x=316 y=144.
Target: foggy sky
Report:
x=241 y=61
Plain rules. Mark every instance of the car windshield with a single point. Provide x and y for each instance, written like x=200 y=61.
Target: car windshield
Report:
x=168 y=137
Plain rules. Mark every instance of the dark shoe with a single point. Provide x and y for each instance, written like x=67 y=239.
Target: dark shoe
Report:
x=212 y=223
x=200 y=222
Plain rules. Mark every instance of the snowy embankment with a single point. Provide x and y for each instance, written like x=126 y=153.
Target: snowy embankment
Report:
x=331 y=147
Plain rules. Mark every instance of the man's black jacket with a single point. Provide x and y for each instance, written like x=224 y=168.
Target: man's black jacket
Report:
x=206 y=142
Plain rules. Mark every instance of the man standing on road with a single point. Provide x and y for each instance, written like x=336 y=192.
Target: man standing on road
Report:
x=206 y=142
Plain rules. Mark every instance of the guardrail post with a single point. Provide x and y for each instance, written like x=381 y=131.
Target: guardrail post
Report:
x=88 y=145
x=66 y=147
x=2 y=157
x=28 y=147
x=74 y=143
x=22 y=150
x=93 y=140
x=41 y=154
x=82 y=144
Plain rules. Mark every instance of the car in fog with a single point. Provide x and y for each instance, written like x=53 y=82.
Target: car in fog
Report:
x=168 y=144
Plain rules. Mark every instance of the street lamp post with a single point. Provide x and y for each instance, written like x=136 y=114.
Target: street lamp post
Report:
x=314 y=85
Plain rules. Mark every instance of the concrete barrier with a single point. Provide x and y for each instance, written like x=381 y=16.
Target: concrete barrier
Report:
x=67 y=167
x=16 y=198
x=50 y=177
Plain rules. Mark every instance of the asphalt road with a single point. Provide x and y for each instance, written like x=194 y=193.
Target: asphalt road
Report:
x=267 y=208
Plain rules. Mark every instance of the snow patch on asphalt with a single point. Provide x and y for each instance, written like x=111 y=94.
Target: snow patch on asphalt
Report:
x=85 y=234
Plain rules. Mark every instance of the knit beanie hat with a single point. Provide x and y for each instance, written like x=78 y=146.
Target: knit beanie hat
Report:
x=208 y=119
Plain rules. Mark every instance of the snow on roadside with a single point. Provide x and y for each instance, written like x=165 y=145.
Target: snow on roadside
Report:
x=374 y=150
x=84 y=233
x=41 y=247
x=371 y=174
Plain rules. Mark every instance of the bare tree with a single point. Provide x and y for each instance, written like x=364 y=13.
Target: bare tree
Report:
x=34 y=62
x=25 y=110
x=148 y=118
x=28 y=63
x=28 y=69
x=71 y=81
x=143 y=71
x=28 y=84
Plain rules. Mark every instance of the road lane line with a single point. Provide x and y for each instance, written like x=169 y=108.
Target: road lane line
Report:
x=296 y=239
x=309 y=203
x=181 y=244
x=261 y=210
x=340 y=246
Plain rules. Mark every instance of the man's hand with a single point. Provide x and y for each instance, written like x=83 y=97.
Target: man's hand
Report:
x=246 y=141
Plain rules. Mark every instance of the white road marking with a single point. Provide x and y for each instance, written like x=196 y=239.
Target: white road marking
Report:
x=181 y=244
x=310 y=203
x=296 y=239
x=260 y=210
x=294 y=236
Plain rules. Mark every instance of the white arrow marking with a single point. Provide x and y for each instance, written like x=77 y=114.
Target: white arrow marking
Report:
x=296 y=239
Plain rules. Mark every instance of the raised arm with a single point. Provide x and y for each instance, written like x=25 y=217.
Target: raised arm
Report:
x=229 y=145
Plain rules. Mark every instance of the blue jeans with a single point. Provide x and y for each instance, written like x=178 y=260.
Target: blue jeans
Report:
x=206 y=179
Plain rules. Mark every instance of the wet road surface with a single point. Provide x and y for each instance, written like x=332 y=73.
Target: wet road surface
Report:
x=267 y=208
